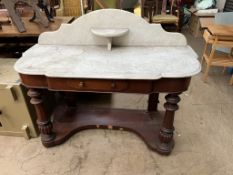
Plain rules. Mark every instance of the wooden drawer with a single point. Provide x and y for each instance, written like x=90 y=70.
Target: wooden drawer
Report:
x=88 y=85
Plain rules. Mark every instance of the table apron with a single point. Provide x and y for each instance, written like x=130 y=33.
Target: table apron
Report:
x=168 y=85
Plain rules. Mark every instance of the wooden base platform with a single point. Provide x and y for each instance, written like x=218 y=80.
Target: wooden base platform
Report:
x=69 y=120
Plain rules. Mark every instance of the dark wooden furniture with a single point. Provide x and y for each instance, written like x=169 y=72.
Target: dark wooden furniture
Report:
x=39 y=6
x=154 y=127
x=10 y=35
x=10 y=32
x=163 y=12
x=102 y=4
x=187 y=3
x=228 y=6
x=137 y=63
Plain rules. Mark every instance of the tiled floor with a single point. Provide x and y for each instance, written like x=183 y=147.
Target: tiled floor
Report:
x=203 y=135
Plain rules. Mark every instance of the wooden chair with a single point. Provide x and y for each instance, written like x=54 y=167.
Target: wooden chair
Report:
x=127 y=5
x=163 y=12
x=231 y=81
x=70 y=8
x=102 y=4
x=214 y=58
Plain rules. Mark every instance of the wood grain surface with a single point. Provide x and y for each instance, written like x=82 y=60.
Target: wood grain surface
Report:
x=33 y=28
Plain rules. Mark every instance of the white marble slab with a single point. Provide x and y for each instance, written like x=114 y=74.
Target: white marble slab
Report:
x=106 y=33
x=146 y=51
x=109 y=34
x=120 y=63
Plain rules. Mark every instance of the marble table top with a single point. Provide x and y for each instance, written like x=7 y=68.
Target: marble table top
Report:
x=139 y=50
x=145 y=63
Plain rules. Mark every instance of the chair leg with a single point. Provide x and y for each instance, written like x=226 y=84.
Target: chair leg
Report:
x=178 y=28
x=202 y=63
x=231 y=54
x=224 y=70
x=202 y=59
x=206 y=72
x=209 y=60
x=231 y=81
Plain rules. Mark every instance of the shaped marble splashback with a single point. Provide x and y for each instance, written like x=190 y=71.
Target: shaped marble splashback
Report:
x=141 y=33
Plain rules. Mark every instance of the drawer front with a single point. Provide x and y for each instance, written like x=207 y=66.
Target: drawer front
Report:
x=88 y=85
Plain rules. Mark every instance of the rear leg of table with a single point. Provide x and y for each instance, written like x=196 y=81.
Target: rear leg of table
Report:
x=166 y=142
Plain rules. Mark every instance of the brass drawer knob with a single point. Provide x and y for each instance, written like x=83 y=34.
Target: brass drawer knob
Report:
x=81 y=84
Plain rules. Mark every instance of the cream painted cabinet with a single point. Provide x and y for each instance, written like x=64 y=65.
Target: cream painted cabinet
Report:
x=17 y=116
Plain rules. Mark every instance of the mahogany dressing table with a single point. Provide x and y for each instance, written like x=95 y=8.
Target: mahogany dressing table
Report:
x=109 y=51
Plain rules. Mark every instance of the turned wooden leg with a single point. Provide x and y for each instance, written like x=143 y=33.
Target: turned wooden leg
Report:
x=206 y=73
x=43 y=121
x=153 y=102
x=166 y=132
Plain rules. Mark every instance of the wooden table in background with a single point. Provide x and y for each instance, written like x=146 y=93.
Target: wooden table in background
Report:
x=22 y=41
x=221 y=30
x=33 y=29
x=205 y=22
x=218 y=36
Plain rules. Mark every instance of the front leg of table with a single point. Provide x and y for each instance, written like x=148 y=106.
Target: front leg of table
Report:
x=43 y=121
x=166 y=132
